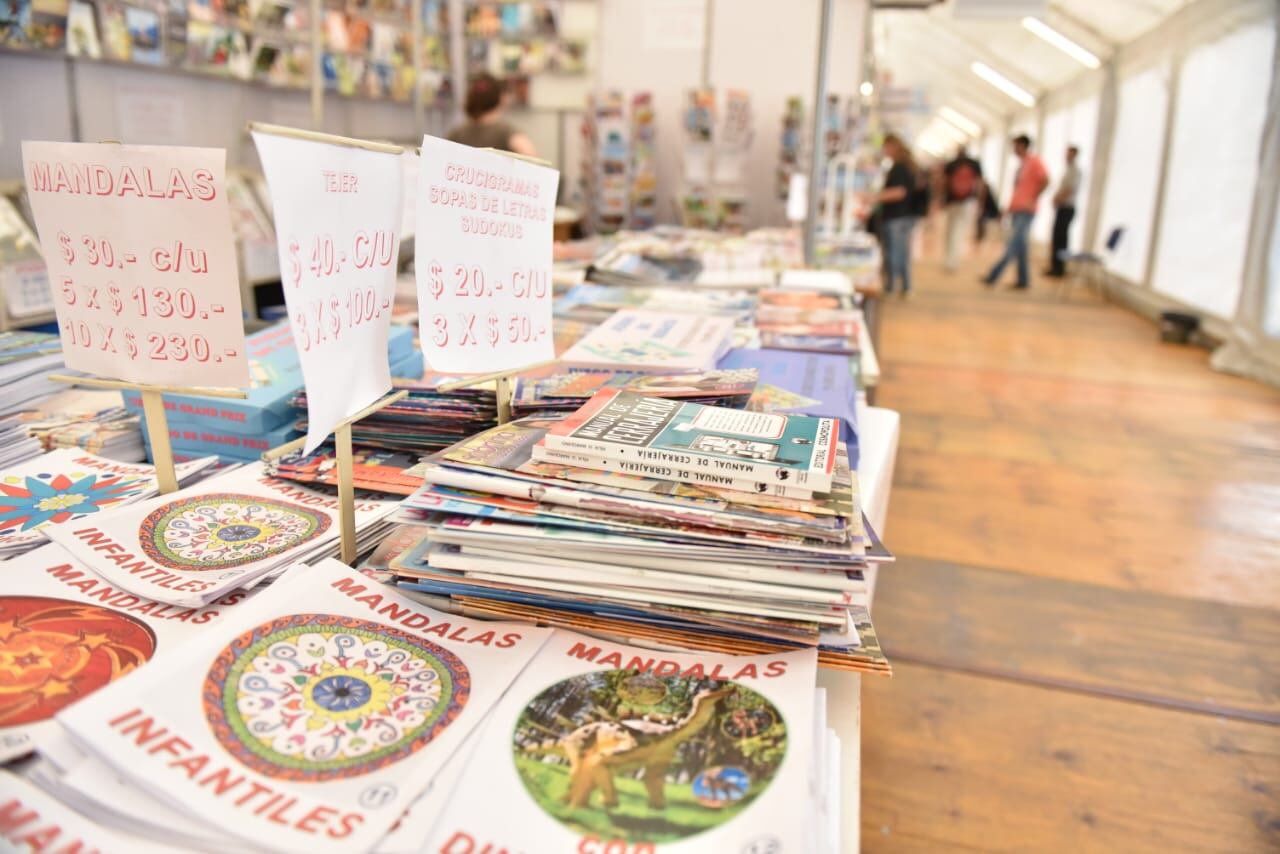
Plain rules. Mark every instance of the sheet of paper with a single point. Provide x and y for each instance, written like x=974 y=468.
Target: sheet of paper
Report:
x=338 y=216
x=137 y=239
x=483 y=258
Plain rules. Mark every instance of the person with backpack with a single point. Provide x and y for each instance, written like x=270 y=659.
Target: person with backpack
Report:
x=963 y=185
x=1028 y=184
x=900 y=207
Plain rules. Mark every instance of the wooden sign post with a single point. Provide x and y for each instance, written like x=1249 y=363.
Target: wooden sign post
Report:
x=137 y=240
x=338 y=210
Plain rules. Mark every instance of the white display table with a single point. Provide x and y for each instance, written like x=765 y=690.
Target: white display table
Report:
x=878 y=450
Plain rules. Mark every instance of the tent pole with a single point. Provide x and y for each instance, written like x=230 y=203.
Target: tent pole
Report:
x=819 y=112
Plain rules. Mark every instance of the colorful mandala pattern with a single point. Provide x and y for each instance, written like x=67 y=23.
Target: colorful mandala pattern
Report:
x=224 y=530
x=54 y=652
x=33 y=501
x=315 y=697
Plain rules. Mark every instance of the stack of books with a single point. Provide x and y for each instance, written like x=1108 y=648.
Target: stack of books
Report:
x=563 y=394
x=326 y=712
x=113 y=432
x=26 y=361
x=16 y=444
x=428 y=419
x=808 y=320
x=240 y=430
x=676 y=523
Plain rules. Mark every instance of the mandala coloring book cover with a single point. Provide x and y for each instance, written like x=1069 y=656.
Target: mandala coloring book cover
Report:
x=68 y=485
x=313 y=719
x=601 y=747
x=191 y=547
x=66 y=633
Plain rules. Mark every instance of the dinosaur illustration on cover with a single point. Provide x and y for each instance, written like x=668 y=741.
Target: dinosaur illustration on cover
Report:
x=598 y=750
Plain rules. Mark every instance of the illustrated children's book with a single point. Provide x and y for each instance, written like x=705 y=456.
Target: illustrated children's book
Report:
x=653 y=342
x=760 y=447
x=69 y=633
x=67 y=485
x=228 y=531
x=312 y=719
x=599 y=746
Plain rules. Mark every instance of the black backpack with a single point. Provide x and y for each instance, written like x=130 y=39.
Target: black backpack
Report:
x=919 y=195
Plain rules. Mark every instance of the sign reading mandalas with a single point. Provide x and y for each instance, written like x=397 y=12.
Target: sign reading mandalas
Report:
x=65 y=633
x=65 y=485
x=218 y=536
x=624 y=754
x=223 y=530
x=641 y=749
x=312 y=720
x=318 y=697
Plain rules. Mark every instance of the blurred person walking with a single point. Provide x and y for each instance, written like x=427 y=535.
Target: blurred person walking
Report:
x=1028 y=184
x=899 y=202
x=1064 y=211
x=962 y=186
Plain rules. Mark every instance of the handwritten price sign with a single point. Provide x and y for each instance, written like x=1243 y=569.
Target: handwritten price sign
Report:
x=483 y=258
x=338 y=217
x=141 y=260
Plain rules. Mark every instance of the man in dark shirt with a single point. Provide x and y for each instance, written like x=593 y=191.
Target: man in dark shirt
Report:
x=962 y=179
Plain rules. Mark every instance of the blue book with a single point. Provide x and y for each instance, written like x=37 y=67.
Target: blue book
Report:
x=275 y=377
x=823 y=384
x=202 y=441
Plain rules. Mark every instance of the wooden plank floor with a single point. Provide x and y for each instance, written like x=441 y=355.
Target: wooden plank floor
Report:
x=1086 y=620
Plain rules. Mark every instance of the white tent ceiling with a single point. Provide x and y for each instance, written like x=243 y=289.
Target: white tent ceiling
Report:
x=933 y=50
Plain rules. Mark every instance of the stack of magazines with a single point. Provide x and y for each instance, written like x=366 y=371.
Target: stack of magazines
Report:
x=564 y=393
x=26 y=361
x=658 y=520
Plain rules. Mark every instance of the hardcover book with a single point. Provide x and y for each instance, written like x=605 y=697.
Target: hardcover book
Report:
x=598 y=744
x=653 y=342
x=760 y=447
x=313 y=718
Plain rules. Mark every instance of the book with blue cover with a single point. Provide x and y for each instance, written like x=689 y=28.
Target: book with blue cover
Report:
x=275 y=377
x=823 y=384
x=758 y=447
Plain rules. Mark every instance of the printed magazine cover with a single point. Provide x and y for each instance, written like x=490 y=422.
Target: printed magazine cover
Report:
x=311 y=720
x=192 y=547
x=68 y=633
x=599 y=746
x=653 y=342
x=762 y=447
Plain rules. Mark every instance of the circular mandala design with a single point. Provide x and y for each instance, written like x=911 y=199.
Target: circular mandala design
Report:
x=224 y=530
x=314 y=697
x=54 y=652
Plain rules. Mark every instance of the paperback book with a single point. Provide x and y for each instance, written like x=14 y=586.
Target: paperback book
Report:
x=653 y=342
x=759 y=447
x=648 y=751
x=229 y=531
x=313 y=718
x=70 y=633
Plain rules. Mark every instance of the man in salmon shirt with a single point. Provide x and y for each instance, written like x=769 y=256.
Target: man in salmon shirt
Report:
x=1028 y=184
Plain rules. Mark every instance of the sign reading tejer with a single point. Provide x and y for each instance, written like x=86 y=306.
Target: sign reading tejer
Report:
x=483 y=258
x=338 y=216
x=137 y=240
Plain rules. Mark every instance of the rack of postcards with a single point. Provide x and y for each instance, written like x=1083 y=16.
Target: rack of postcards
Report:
x=518 y=42
x=366 y=47
x=619 y=163
x=791 y=148
x=713 y=193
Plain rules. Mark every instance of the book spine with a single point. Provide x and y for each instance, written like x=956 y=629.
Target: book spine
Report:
x=680 y=474
x=708 y=469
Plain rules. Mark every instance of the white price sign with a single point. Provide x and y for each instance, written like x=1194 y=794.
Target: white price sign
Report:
x=483 y=259
x=137 y=240
x=338 y=216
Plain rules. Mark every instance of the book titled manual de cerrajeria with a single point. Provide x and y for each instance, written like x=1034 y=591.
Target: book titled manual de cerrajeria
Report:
x=758 y=447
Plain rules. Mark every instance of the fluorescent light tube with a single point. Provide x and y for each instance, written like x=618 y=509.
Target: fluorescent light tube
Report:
x=1004 y=84
x=1061 y=42
x=961 y=121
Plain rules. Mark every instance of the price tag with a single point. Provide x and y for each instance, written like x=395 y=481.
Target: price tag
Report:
x=338 y=216
x=483 y=259
x=137 y=240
